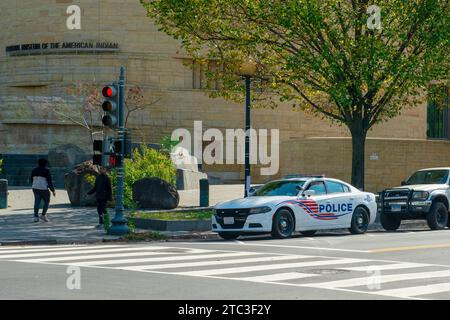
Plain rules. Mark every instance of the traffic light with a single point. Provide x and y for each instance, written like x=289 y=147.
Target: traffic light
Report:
x=110 y=106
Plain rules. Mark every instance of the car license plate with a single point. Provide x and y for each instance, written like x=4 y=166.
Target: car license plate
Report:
x=228 y=220
x=396 y=208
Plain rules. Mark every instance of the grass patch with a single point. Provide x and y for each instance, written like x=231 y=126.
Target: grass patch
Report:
x=174 y=215
x=144 y=236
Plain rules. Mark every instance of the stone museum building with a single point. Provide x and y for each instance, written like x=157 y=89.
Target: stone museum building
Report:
x=41 y=59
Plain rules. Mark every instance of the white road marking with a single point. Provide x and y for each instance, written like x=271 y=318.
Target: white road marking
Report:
x=21 y=248
x=38 y=249
x=211 y=263
x=251 y=244
x=161 y=259
x=68 y=254
x=73 y=252
x=269 y=267
x=392 y=266
x=278 y=277
x=301 y=247
x=380 y=279
x=411 y=292
x=103 y=256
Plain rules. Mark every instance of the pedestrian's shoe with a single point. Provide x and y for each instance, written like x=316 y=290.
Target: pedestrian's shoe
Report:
x=99 y=226
x=36 y=219
x=44 y=218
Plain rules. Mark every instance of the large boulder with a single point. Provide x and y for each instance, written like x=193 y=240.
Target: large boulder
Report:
x=155 y=193
x=66 y=156
x=77 y=186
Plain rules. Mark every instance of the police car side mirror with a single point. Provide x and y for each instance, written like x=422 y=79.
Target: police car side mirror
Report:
x=403 y=183
x=308 y=193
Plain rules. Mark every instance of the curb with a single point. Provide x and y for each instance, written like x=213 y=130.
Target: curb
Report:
x=51 y=242
x=181 y=236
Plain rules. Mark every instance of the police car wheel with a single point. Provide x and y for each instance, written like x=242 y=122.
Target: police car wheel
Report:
x=360 y=221
x=437 y=218
x=308 y=233
x=283 y=224
x=389 y=222
x=229 y=235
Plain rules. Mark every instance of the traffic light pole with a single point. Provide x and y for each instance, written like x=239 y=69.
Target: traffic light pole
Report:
x=119 y=223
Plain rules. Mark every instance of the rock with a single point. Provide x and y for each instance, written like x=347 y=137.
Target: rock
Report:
x=155 y=193
x=66 y=156
x=77 y=186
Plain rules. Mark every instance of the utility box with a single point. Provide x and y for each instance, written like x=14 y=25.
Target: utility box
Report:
x=3 y=193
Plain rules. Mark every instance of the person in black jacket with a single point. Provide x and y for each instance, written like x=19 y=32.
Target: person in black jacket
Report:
x=103 y=194
x=41 y=180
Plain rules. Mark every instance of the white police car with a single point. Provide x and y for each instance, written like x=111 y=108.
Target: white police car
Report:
x=305 y=204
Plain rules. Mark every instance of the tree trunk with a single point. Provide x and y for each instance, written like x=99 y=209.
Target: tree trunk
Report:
x=358 y=157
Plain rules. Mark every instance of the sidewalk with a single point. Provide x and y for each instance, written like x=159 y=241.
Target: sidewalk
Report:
x=77 y=225
x=74 y=224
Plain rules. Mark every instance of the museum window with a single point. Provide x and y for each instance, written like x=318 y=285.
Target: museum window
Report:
x=438 y=118
x=203 y=75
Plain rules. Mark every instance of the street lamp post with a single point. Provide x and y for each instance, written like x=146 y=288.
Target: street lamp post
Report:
x=248 y=69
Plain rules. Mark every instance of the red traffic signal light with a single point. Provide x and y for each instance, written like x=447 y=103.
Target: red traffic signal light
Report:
x=109 y=92
x=112 y=160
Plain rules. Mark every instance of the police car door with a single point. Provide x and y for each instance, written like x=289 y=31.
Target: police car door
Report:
x=313 y=203
x=339 y=205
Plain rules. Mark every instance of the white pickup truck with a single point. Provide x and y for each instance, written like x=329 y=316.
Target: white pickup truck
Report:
x=425 y=195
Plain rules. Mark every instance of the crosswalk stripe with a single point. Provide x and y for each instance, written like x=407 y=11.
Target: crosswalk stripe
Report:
x=410 y=292
x=38 y=249
x=103 y=256
x=380 y=279
x=279 y=277
x=73 y=252
x=172 y=258
x=392 y=266
x=20 y=248
x=212 y=263
x=270 y=267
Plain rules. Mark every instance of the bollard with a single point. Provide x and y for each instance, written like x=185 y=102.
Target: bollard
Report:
x=3 y=193
x=204 y=193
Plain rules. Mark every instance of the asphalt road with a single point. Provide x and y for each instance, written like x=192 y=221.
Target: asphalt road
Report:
x=411 y=264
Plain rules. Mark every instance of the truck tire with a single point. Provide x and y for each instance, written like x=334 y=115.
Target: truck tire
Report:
x=229 y=235
x=283 y=224
x=389 y=222
x=437 y=218
x=360 y=221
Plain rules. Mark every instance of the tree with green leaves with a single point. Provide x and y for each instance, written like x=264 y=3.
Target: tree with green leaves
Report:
x=325 y=57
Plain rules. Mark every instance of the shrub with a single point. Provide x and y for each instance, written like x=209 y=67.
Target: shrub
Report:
x=145 y=163
x=167 y=144
x=90 y=178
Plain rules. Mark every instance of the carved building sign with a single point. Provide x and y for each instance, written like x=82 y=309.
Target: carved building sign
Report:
x=61 y=47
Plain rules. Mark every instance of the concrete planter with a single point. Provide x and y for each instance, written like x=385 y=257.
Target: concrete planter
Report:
x=172 y=225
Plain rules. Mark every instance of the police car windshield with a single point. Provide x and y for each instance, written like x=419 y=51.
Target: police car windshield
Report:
x=280 y=188
x=428 y=177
